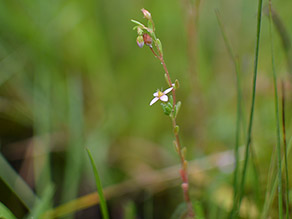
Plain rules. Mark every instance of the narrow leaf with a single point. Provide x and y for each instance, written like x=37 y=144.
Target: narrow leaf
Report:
x=17 y=185
x=137 y=22
x=177 y=108
x=158 y=43
x=103 y=205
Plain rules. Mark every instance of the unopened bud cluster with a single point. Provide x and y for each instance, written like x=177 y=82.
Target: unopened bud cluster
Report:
x=143 y=31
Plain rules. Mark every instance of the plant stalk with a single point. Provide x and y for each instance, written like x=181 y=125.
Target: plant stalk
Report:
x=249 y=132
x=183 y=171
x=280 y=204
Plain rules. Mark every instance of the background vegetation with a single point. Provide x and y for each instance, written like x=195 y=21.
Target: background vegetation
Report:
x=72 y=76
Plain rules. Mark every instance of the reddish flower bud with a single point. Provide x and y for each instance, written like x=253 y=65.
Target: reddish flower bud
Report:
x=147 y=39
x=146 y=14
x=185 y=186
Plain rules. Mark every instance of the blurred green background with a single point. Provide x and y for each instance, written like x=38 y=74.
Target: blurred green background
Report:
x=72 y=76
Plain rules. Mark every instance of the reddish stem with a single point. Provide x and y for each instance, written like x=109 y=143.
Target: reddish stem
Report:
x=183 y=171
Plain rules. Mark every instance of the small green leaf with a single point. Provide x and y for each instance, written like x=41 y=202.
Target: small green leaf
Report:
x=167 y=109
x=176 y=84
x=137 y=22
x=177 y=108
x=184 y=151
x=158 y=43
x=166 y=79
x=171 y=100
x=176 y=146
x=176 y=129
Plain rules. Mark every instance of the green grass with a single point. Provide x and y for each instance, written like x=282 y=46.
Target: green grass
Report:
x=285 y=151
x=103 y=204
x=280 y=203
x=249 y=132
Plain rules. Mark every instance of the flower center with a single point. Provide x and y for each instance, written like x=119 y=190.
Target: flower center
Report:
x=160 y=94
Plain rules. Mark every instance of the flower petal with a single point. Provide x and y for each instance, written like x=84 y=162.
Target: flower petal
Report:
x=164 y=98
x=154 y=100
x=168 y=90
x=155 y=94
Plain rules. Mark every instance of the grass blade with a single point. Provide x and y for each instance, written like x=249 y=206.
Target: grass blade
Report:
x=280 y=204
x=249 y=132
x=17 y=184
x=285 y=150
x=44 y=204
x=74 y=161
x=104 y=210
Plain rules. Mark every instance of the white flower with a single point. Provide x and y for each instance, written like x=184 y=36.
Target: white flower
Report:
x=159 y=95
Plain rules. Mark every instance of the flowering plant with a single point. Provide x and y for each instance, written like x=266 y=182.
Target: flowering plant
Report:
x=147 y=36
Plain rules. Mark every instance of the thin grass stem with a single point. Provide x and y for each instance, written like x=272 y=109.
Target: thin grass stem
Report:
x=249 y=132
x=103 y=205
x=280 y=204
x=285 y=150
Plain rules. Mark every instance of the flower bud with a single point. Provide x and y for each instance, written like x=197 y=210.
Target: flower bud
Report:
x=139 y=31
x=147 y=39
x=146 y=14
x=185 y=186
x=140 y=41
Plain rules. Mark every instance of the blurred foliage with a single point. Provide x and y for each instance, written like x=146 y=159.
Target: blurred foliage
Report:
x=72 y=76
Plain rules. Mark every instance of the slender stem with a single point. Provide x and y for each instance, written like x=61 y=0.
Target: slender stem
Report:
x=280 y=204
x=285 y=150
x=248 y=140
x=183 y=172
